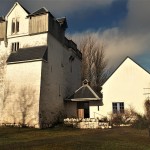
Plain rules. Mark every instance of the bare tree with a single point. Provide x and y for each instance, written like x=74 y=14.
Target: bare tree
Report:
x=94 y=62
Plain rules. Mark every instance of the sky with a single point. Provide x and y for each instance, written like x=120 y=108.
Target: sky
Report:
x=122 y=25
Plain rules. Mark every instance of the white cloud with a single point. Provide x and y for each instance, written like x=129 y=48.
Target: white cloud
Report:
x=132 y=38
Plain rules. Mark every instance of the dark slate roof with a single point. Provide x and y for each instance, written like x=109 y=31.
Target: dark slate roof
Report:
x=42 y=10
x=2 y=19
x=28 y=54
x=84 y=93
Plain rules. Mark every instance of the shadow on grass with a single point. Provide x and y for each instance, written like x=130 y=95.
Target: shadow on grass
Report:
x=74 y=139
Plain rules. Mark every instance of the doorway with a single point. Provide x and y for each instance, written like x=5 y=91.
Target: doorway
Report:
x=83 y=109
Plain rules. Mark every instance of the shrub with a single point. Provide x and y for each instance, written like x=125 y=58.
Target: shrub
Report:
x=117 y=119
x=147 y=108
x=125 y=118
x=141 y=122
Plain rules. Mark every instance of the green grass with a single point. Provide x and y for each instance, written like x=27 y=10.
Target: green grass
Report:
x=73 y=139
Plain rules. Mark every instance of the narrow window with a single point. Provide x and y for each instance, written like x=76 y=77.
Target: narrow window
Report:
x=121 y=107
x=12 y=47
x=17 y=46
x=17 y=25
x=13 y=25
x=98 y=108
x=14 y=50
x=114 y=105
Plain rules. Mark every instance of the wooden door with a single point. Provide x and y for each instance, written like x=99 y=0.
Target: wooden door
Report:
x=80 y=113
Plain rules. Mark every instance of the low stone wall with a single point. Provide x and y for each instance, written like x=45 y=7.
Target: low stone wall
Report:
x=87 y=123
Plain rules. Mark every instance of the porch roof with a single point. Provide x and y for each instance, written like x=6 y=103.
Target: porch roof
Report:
x=84 y=93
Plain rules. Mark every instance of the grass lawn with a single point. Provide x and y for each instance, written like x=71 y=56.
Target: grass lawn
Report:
x=124 y=138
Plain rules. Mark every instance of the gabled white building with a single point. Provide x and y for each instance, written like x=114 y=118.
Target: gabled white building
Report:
x=125 y=88
x=43 y=66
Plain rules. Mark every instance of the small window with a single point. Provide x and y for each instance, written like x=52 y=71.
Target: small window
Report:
x=15 y=46
x=17 y=25
x=98 y=108
x=114 y=107
x=13 y=25
x=121 y=107
x=118 y=107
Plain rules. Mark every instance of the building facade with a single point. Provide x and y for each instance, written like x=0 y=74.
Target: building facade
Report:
x=126 y=88
x=42 y=67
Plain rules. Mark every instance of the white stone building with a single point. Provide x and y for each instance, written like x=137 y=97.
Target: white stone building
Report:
x=43 y=67
x=127 y=87
x=43 y=70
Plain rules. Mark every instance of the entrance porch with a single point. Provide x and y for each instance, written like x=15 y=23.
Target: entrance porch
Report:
x=84 y=103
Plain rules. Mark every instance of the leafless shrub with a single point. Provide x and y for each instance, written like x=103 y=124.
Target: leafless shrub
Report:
x=147 y=107
x=126 y=118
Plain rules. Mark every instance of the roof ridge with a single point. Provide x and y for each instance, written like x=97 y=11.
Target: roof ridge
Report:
x=127 y=57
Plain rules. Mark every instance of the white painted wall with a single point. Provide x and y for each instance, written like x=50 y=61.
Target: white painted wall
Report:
x=19 y=76
x=23 y=74
x=59 y=81
x=24 y=42
x=94 y=108
x=126 y=85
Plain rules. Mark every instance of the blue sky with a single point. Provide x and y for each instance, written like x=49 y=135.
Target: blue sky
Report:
x=122 y=25
x=99 y=17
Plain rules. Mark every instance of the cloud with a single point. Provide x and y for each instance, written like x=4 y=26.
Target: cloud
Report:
x=118 y=45
x=130 y=38
x=56 y=7
x=137 y=20
x=64 y=7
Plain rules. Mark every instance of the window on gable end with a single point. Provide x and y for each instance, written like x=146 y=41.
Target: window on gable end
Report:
x=13 y=25
x=17 y=25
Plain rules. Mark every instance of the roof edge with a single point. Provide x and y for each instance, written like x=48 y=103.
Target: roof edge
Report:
x=16 y=3
x=122 y=63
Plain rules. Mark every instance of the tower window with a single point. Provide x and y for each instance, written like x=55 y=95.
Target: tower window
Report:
x=15 y=46
x=15 y=25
